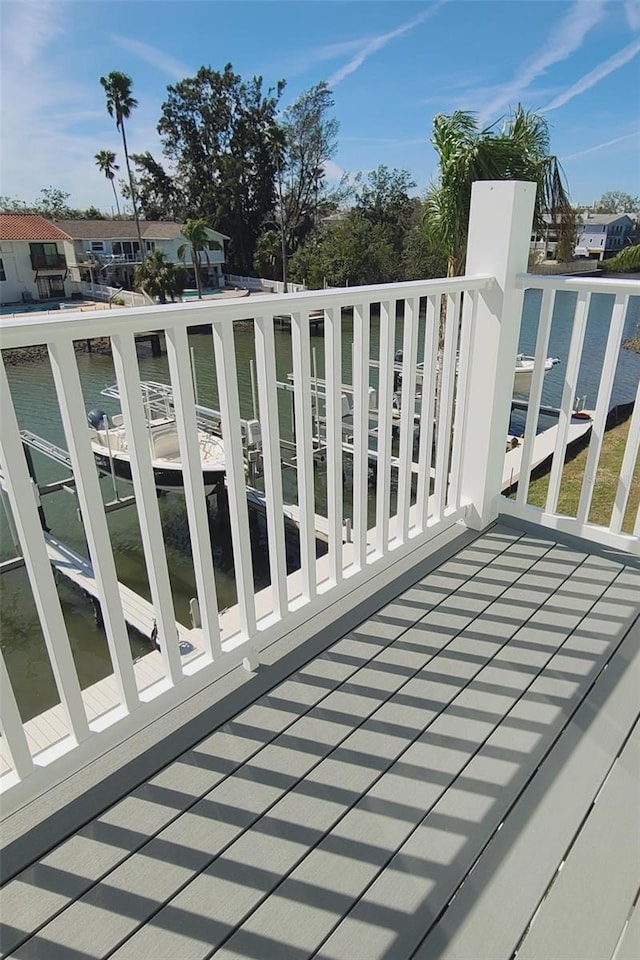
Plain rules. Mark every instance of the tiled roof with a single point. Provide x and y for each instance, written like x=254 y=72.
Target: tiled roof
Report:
x=123 y=229
x=29 y=226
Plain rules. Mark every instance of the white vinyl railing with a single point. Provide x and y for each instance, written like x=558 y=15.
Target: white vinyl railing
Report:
x=102 y=291
x=459 y=340
x=620 y=291
x=262 y=285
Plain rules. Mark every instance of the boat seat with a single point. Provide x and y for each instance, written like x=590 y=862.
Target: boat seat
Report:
x=165 y=442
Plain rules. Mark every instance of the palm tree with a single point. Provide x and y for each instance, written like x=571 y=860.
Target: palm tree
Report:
x=120 y=103
x=195 y=233
x=106 y=163
x=518 y=151
x=159 y=278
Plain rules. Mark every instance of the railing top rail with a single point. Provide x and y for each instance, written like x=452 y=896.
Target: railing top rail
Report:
x=526 y=281
x=30 y=330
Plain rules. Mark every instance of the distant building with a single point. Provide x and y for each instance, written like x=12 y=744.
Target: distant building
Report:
x=544 y=242
x=107 y=251
x=33 y=264
x=602 y=235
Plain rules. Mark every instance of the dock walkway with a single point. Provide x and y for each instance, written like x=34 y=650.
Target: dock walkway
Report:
x=138 y=612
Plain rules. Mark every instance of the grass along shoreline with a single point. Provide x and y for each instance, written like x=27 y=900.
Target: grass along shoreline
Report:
x=613 y=447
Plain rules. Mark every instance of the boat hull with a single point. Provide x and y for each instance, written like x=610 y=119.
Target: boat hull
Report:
x=167 y=478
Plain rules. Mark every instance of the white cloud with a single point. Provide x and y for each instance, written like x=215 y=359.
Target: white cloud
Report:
x=589 y=80
x=333 y=172
x=632 y=10
x=29 y=26
x=566 y=37
x=152 y=55
x=601 y=146
x=371 y=45
x=53 y=124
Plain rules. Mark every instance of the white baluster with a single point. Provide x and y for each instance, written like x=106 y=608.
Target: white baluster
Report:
x=227 y=377
x=607 y=376
x=427 y=408
x=304 y=450
x=184 y=405
x=25 y=515
x=407 y=414
x=360 y=365
x=128 y=376
x=385 y=421
x=270 y=431
x=535 y=393
x=333 y=383
x=71 y=400
x=11 y=726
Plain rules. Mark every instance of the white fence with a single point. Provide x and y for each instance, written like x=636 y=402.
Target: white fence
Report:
x=459 y=341
x=127 y=298
x=261 y=285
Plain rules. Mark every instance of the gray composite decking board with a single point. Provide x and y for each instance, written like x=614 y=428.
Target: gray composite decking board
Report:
x=629 y=947
x=281 y=839
x=42 y=824
x=334 y=784
x=202 y=891
x=423 y=876
x=47 y=887
x=335 y=875
x=512 y=563
x=520 y=556
x=584 y=912
x=493 y=907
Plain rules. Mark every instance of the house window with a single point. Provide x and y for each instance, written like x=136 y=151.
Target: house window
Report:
x=150 y=245
x=97 y=246
x=3 y=275
x=126 y=248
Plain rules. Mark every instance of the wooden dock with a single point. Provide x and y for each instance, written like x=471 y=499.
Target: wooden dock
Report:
x=138 y=612
x=51 y=726
x=543 y=447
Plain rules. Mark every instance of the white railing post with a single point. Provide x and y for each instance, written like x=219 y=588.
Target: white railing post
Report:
x=498 y=244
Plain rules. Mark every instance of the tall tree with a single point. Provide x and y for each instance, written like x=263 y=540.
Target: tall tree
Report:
x=120 y=103
x=276 y=140
x=214 y=133
x=106 y=163
x=195 y=233
x=616 y=201
x=308 y=138
x=519 y=150
x=159 y=278
x=158 y=193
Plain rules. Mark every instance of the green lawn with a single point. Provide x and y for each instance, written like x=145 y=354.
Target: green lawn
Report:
x=604 y=492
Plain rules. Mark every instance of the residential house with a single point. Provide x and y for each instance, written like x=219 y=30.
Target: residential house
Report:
x=33 y=263
x=107 y=251
x=603 y=235
x=544 y=242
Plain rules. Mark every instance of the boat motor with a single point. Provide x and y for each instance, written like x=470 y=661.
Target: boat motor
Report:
x=97 y=419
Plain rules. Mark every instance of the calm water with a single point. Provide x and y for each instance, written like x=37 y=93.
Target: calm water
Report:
x=36 y=407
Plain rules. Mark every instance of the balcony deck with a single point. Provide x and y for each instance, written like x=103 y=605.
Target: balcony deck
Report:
x=408 y=783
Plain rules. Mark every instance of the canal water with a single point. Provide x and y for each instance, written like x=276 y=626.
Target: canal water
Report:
x=36 y=407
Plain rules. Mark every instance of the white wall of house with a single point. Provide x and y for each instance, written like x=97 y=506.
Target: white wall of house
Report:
x=20 y=276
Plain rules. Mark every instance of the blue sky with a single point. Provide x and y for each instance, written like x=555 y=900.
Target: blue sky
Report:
x=392 y=66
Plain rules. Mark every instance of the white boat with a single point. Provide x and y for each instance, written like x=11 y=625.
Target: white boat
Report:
x=524 y=372
x=110 y=447
x=110 y=443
